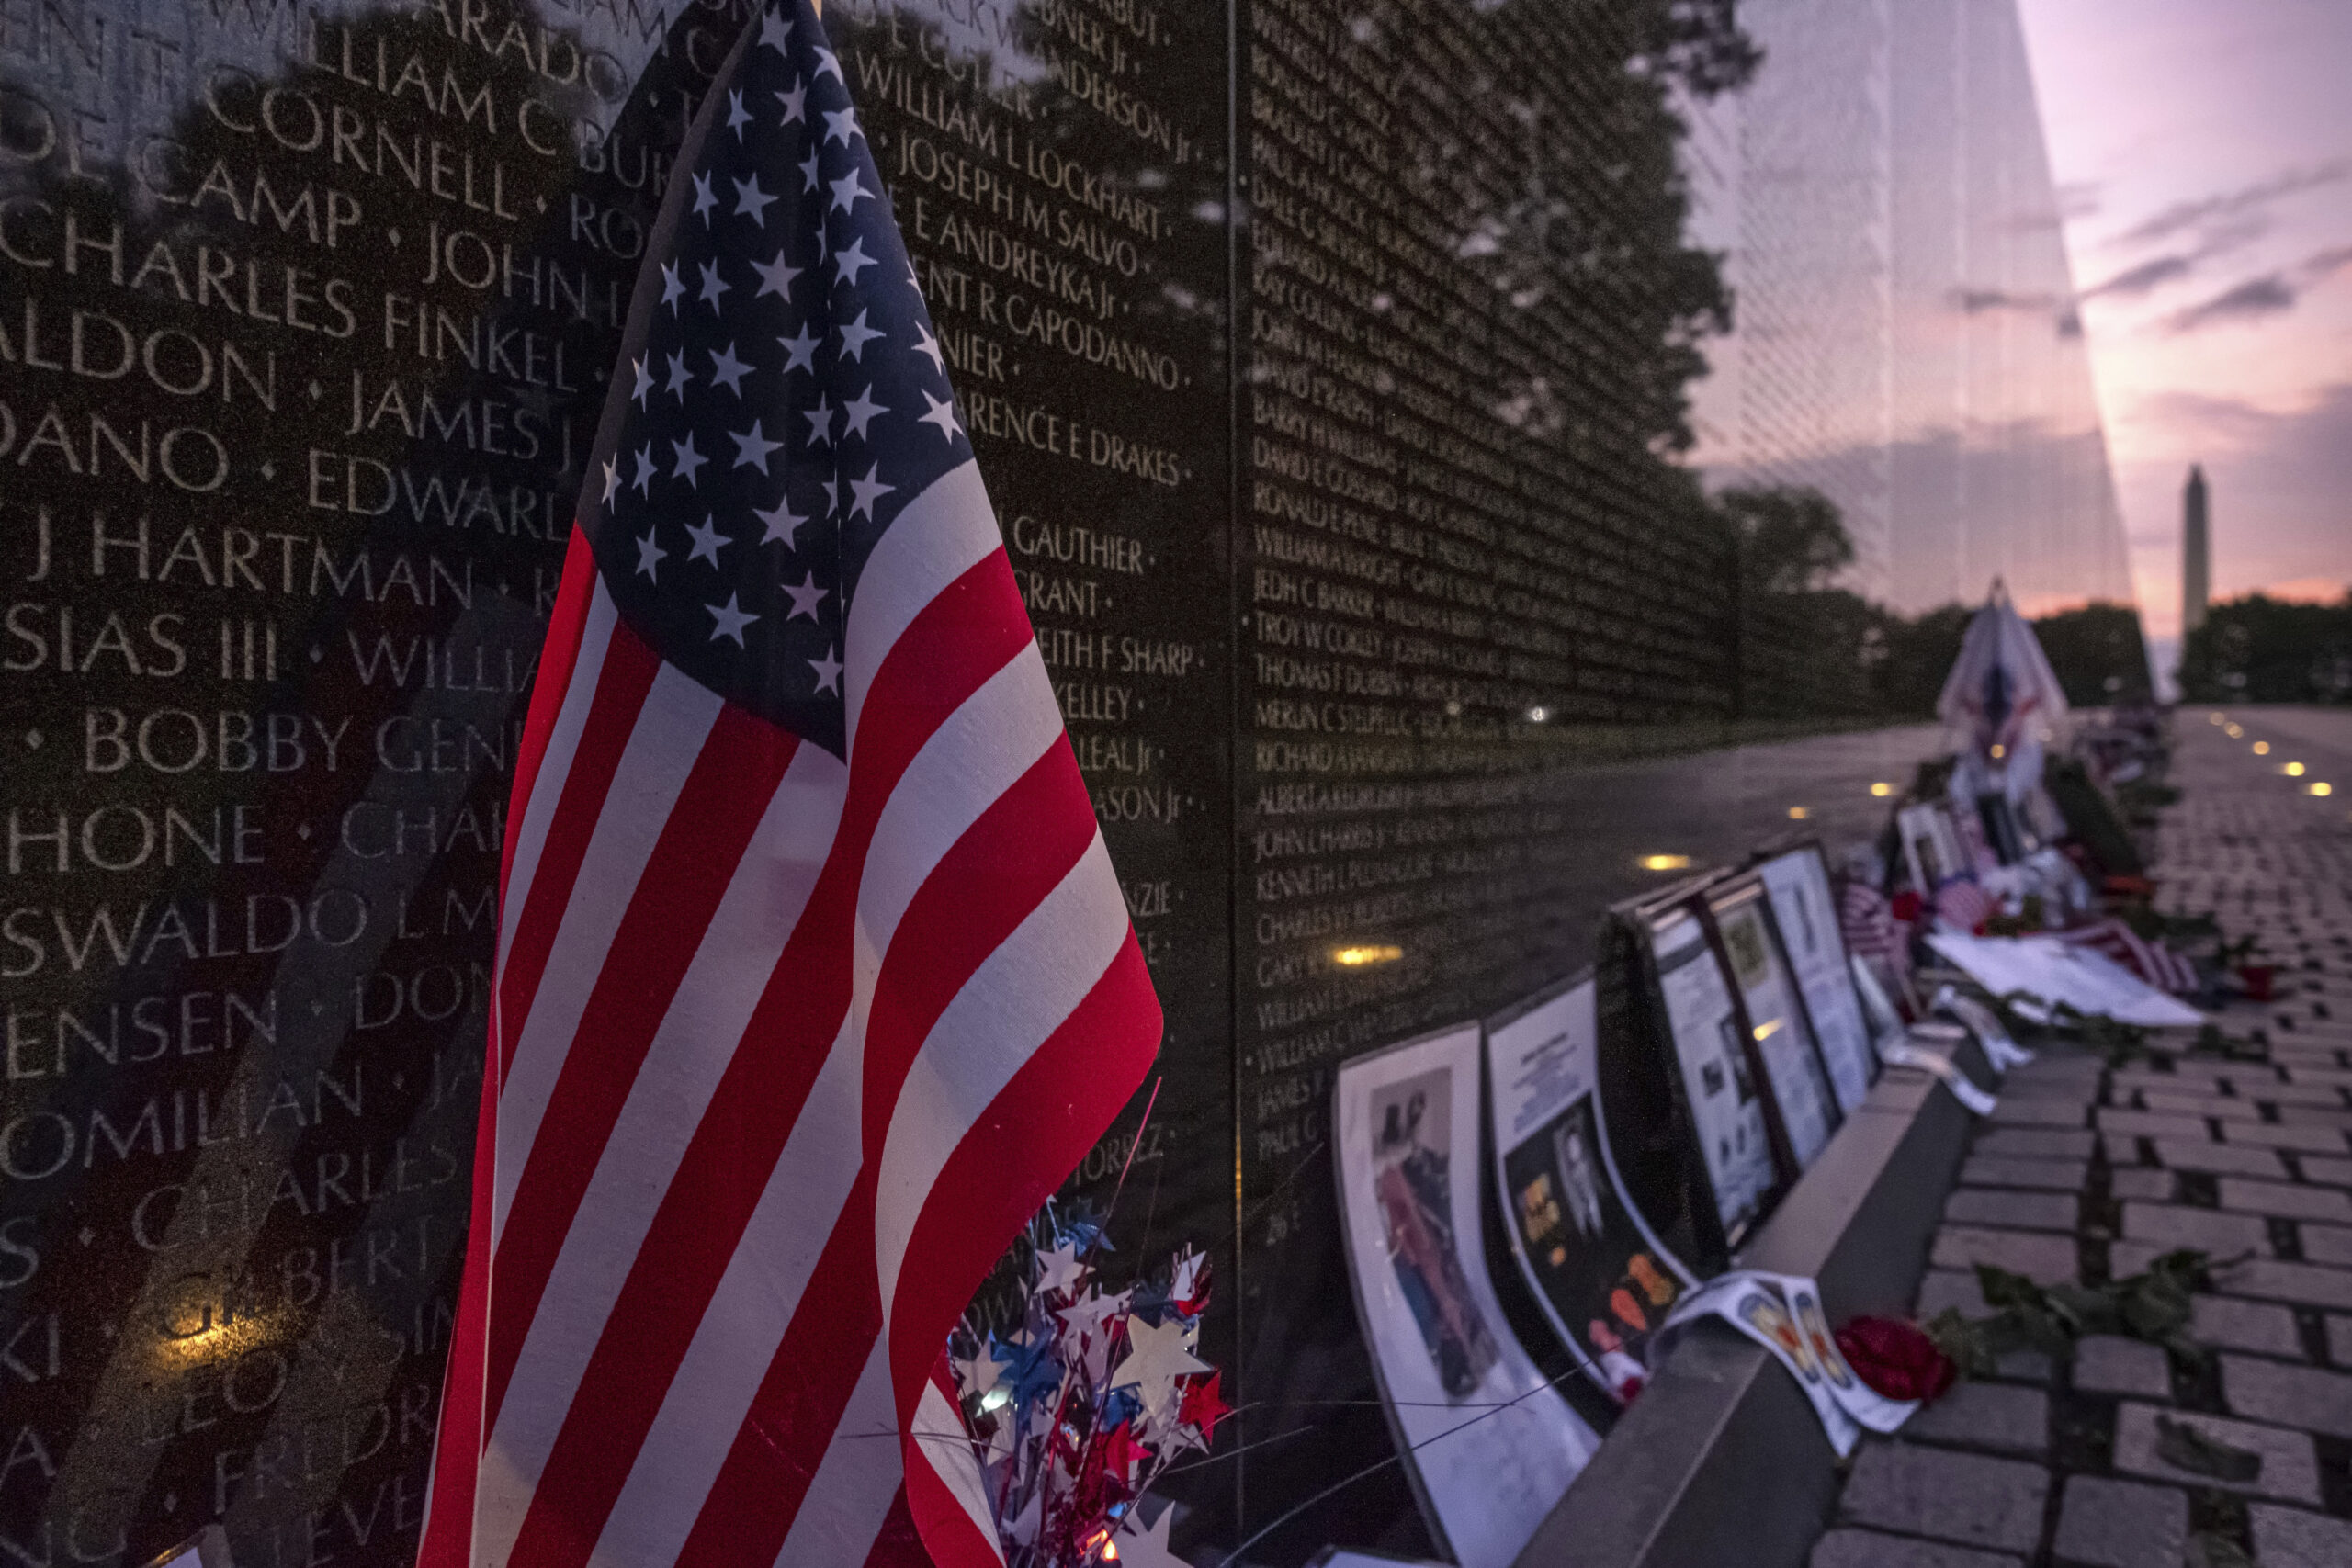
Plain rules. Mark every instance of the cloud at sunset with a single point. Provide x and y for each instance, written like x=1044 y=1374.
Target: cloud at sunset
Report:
x=2204 y=148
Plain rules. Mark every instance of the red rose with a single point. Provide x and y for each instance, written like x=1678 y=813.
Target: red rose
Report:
x=1895 y=1358
x=1905 y=908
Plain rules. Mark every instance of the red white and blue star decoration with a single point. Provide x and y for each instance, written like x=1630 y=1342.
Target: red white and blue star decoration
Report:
x=1086 y=1404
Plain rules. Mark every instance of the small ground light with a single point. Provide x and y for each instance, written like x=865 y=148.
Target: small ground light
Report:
x=1999 y=751
x=1798 y=813
x=1665 y=862
x=2294 y=770
x=1538 y=714
x=1358 y=957
x=2233 y=731
x=2262 y=747
x=2321 y=787
x=1882 y=790
x=2215 y=718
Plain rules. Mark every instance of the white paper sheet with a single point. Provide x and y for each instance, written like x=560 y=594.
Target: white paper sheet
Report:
x=2056 y=972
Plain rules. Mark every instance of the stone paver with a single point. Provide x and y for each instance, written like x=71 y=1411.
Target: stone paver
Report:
x=1950 y=1289
x=2320 y=1096
x=2285 y=1200
x=2045 y=1259
x=2140 y=1181
x=2121 y=1524
x=2333 y=1172
x=2054 y=1175
x=2260 y=1327
x=2289 y=1464
x=2034 y=1143
x=2038 y=1110
x=2331 y=1244
x=2019 y=1211
x=2208 y=1230
x=1985 y=1416
x=2146 y=1124
x=2226 y=1159
x=2271 y=1279
x=2290 y=1538
x=2226 y=1105
x=2339 y=1340
x=1868 y=1549
x=2303 y=1397
x=1965 y=1499
x=2287 y=1136
x=2105 y=1364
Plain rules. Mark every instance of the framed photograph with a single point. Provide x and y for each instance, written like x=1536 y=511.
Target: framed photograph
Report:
x=1779 y=1037
x=1489 y=1444
x=1711 y=1060
x=1932 y=847
x=1797 y=883
x=1604 y=1279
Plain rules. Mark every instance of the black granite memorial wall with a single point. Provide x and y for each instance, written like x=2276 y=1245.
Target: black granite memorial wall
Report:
x=1328 y=362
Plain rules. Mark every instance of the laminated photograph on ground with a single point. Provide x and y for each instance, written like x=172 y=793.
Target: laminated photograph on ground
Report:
x=1798 y=884
x=1489 y=1444
x=1601 y=1277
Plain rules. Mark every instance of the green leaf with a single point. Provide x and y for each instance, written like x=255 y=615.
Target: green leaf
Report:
x=2185 y=1448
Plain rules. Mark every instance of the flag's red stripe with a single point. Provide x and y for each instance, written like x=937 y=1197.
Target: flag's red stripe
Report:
x=448 y=1541
x=951 y=1537
x=449 y=1515
x=947 y=653
x=988 y=883
x=622 y=683
x=558 y=657
x=1018 y=851
x=897 y=1544
x=760 y=1488
x=1033 y=1133
x=711 y=825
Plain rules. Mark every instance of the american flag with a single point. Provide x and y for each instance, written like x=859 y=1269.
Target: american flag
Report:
x=814 y=979
x=1963 y=906
x=1865 y=922
x=2152 y=960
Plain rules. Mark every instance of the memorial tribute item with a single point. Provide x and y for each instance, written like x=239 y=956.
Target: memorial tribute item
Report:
x=1931 y=848
x=1780 y=1039
x=1604 y=1282
x=2048 y=971
x=2002 y=699
x=2000 y=1048
x=1076 y=1414
x=1490 y=1445
x=814 y=979
x=1713 y=1067
x=1783 y=1314
x=1806 y=916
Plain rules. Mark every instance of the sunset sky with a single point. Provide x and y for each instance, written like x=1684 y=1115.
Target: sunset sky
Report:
x=2203 y=149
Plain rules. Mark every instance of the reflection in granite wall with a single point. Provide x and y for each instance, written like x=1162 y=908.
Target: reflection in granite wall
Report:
x=1329 y=360
x=1906 y=337
x=304 y=316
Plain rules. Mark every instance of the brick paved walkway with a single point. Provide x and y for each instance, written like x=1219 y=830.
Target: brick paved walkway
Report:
x=2086 y=1174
